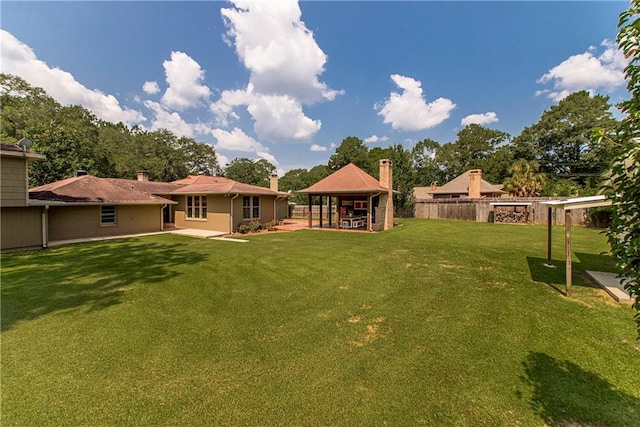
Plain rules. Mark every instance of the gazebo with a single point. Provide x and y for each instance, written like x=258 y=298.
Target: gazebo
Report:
x=362 y=202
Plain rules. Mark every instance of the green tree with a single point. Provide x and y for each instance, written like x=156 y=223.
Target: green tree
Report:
x=294 y=180
x=254 y=172
x=351 y=150
x=423 y=159
x=475 y=148
x=623 y=188
x=562 y=140
x=525 y=181
x=403 y=172
x=200 y=158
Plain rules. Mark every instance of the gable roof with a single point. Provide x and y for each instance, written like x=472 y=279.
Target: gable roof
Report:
x=88 y=189
x=204 y=184
x=460 y=185
x=349 y=179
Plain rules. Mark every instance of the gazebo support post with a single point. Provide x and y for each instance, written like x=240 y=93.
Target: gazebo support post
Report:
x=329 y=207
x=310 y=213
x=321 y=201
x=567 y=248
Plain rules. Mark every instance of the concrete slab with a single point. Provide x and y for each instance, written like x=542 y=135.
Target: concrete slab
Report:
x=229 y=239
x=610 y=283
x=192 y=232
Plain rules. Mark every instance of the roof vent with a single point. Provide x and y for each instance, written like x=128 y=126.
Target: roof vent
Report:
x=81 y=172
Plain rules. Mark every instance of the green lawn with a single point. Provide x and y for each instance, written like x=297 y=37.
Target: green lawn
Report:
x=431 y=323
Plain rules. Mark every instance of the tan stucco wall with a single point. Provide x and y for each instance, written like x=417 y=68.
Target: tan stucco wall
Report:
x=13 y=181
x=20 y=227
x=77 y=222
x=218 y=210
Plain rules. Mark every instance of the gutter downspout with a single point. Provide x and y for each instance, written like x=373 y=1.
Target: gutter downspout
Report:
x=45 y=227
x=231 y=219
x=370 y=208
x=162 y=216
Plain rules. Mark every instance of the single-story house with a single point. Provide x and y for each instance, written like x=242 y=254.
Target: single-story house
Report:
x=86 y=206
x=363 y=202
x=468 y=185
x=222 y=204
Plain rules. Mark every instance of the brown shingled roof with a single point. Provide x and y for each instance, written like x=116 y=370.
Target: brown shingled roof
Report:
x=458 y=185
x=204 y=184
x=88 y=189
x=349 y=179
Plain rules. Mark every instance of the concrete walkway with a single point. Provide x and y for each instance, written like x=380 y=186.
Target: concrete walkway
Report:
x=192 y=232
x=610 y=283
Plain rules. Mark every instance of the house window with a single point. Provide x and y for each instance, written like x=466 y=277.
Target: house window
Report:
x=108 y=215
x=197 y=207
x=251 y=207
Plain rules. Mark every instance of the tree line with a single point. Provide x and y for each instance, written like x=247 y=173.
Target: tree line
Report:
x=557 y=156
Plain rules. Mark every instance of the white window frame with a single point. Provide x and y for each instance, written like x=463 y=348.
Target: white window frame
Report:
x=253 y=205
x=196 y=207
x=108 y=218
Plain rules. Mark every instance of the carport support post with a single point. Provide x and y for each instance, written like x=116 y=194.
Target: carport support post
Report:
x=567 y=248
x=549 y=221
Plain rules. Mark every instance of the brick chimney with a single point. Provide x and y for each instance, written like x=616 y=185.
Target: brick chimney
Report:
x=273 y=182
x=386 y=174
x=434 y=186
x=475 y=177
x=143 y=176
x=386 y=199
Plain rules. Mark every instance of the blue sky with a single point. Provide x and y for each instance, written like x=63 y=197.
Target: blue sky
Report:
x=288 y=81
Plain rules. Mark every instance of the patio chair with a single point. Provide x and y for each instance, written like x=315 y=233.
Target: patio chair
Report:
x=345 y=223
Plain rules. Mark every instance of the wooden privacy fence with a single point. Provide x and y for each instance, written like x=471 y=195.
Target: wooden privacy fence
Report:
x=302 y=211
x=481 y=210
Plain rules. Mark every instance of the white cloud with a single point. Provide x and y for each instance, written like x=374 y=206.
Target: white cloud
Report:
x=586 y=71
x=273 y=42
x=268 y=157
x=236 y=140
x=172 y=121
x=222 y=159
x=184 y=77
x=19 y=59
x=375 y=138
x=316 y=147
x=480 y=119
x=285 y=63
x=276 y=117
x=151 y=88
x=409 y=110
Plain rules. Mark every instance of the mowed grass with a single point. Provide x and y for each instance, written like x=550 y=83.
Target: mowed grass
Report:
x=431 y=323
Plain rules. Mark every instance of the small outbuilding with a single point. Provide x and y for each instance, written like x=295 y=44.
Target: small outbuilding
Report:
x=362 y=202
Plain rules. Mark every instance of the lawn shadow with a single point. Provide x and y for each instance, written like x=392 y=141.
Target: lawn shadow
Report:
x=85 y=276
x=564 y=394
x=555 y=277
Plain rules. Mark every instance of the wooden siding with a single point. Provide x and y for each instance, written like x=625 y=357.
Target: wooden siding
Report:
x=13 y=182
x=21 y=228
x=78 y=222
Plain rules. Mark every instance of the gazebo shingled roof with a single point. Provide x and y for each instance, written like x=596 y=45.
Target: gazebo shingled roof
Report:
x=349 y=179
